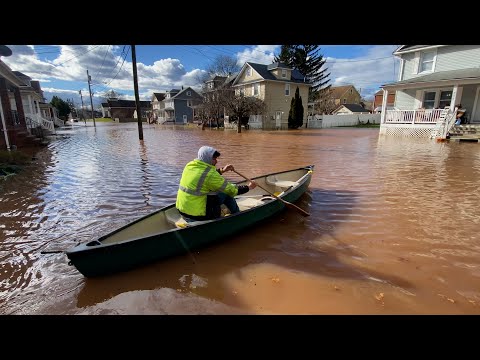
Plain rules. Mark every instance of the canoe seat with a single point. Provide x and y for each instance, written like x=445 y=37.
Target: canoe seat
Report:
x=173 y=217
x=245 y=203
x=272 y=180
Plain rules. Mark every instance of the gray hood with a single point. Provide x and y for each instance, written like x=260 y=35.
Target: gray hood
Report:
x=205 y=154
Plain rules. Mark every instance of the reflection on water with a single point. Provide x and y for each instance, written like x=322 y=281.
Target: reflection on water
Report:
x=393 y=225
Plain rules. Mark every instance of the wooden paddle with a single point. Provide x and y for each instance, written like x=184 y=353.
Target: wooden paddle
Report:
x=287 y=204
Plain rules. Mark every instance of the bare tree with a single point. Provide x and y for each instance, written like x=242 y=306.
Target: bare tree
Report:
x=241 y=107
x=223 y=65
x=324 y=104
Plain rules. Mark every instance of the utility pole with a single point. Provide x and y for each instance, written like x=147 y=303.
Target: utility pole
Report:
x=91 y=101
x=137 y=98
x=83 y=115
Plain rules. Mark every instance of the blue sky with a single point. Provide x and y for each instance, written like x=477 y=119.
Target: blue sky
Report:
x=62 y=69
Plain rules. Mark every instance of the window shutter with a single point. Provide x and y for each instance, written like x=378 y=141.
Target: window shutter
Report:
x=416 y=62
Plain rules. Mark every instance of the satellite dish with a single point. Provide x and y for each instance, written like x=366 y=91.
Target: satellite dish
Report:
x=5 y=50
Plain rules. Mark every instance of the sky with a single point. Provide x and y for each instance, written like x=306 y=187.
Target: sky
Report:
x=62 y=69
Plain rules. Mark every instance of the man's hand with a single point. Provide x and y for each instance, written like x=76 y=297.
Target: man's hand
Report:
x=252 y=184
x=228 y=167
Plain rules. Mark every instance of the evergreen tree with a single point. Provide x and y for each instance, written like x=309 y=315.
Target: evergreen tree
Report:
x=308 y=60
x=62 y=106
x=295 y=114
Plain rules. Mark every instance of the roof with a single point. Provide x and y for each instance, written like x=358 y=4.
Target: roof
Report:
x=263 y=71
x=277 y=65
x=461 y=74
x=159 y=96
x=409 y=48
x=127 y=103
x=338 y=91
x=20 y=74
x=353 y=108
x=380 y=92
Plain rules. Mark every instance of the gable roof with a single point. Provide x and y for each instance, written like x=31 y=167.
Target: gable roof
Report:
x=183 y=91
x=402 y=49
x=265 y=73
x=338 y=91
x=159 y=96
x=356 y=108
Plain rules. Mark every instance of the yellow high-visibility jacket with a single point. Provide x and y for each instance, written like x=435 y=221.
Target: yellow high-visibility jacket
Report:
x=200 y=179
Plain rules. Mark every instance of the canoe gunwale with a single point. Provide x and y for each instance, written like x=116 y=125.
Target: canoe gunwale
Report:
x=262 y=211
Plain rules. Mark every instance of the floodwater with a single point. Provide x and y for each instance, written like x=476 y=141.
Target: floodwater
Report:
x=394 y=225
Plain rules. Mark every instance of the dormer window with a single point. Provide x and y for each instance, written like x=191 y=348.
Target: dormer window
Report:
x=284 y=73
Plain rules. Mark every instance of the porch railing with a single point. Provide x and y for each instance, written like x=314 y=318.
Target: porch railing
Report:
x=418 y=116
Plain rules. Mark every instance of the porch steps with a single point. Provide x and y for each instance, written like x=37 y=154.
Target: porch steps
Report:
x=465 y=132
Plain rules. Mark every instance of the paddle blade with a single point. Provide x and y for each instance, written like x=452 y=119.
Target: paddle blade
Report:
x=295 y=207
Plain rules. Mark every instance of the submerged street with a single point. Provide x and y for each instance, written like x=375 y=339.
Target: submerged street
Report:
x=393 y=226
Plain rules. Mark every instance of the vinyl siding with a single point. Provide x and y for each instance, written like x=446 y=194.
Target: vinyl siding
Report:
x=276 y=100
x=409 y=59
x=243 y=78
x=458 y=57
x=448 y=58
x=405 y=100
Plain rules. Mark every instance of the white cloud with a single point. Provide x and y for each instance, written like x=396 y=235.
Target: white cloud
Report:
x=261 y=54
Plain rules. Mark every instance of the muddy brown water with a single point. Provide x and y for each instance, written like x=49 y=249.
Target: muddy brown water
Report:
x=393 y=228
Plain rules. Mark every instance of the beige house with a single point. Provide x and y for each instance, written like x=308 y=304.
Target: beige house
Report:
x=275 y=84
x=345 y=95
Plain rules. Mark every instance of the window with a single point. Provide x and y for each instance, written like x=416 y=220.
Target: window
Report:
x=445 y=99
x=256 y=89
x=249 y=71
x=426 y=63
x=284 y=73
x=287 y=89
x=242 y=91
x=189 y=93
x=189 y=102
x=344 y=101
x=429 y=99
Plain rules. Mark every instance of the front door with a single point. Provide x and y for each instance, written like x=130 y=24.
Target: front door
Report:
x=278 y=119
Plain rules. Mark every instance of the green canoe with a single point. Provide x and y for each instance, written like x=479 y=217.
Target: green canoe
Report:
x=164 y=233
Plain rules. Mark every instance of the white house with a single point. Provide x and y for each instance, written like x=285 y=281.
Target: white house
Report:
x=432 y=78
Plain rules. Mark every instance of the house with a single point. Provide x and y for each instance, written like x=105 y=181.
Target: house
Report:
x=211 y=110
x=178 y=105
x=21 y=118
x=378 y=99
x=124 y=110
x=347 y=94
x=106 y=110
x=157 y=105
x=275 y=84
x=349 y=109
x=432 y=78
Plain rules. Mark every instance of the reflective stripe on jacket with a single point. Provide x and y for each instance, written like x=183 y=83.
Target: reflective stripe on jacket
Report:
x=200 y=179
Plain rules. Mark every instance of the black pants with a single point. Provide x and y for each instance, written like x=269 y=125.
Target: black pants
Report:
x=213 y=209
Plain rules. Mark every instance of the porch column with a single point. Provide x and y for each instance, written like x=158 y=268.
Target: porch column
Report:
x=453 y=102
x=38 y=111
x=30 y=104
x=4 y=127
x=20 y=111
x=384 y=106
